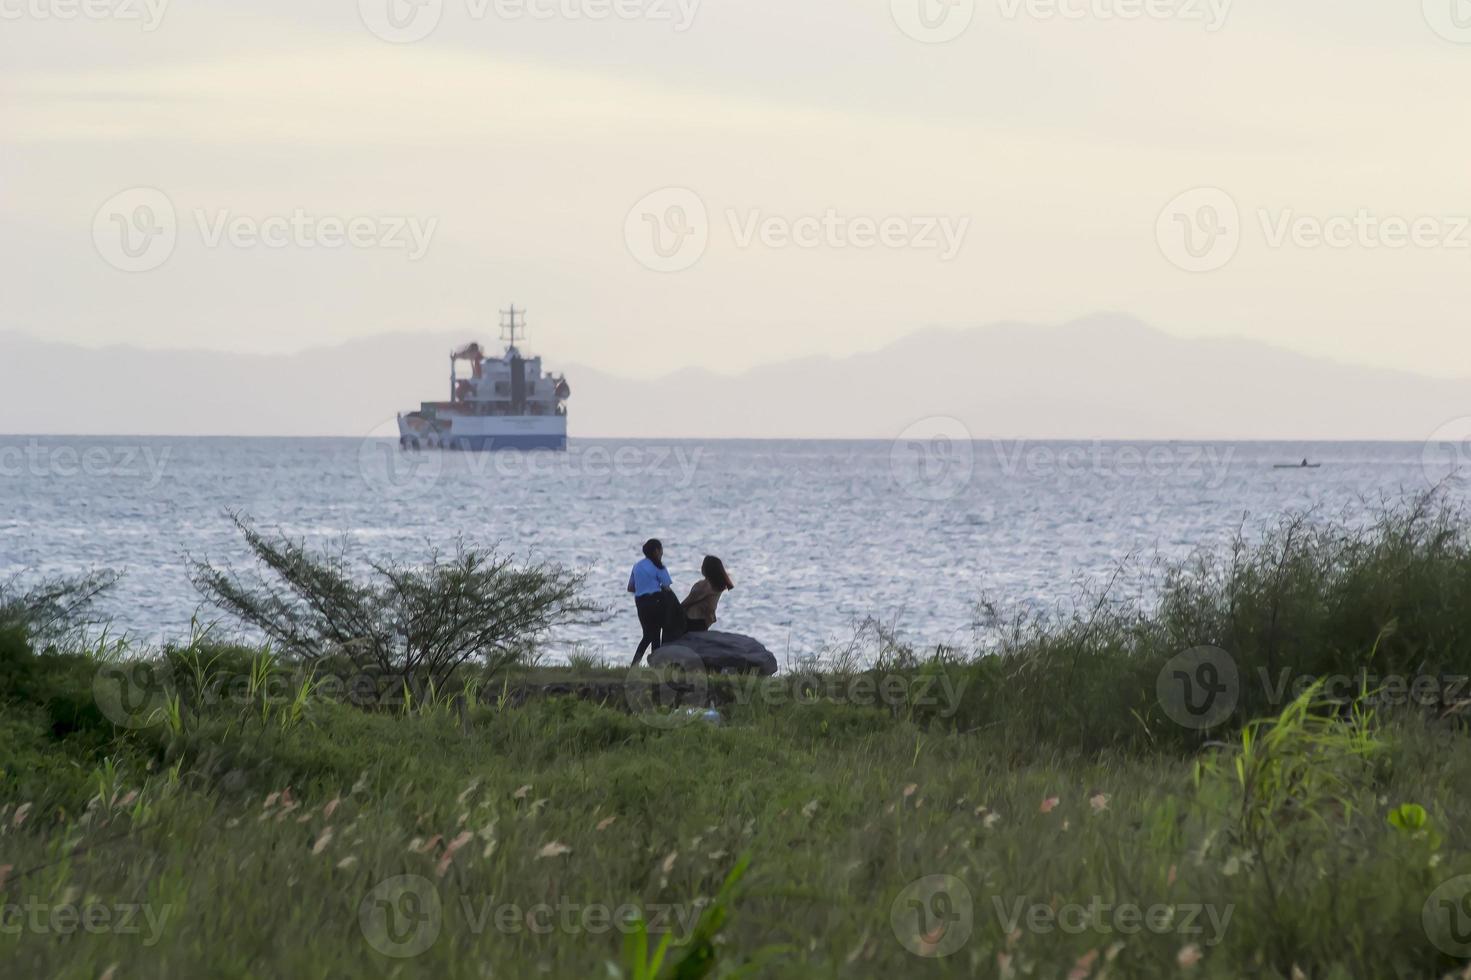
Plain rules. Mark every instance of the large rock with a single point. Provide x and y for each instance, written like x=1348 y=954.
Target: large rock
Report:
x=720 y=653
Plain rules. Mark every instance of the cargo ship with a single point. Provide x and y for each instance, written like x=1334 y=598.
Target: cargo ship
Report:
x=504 y=402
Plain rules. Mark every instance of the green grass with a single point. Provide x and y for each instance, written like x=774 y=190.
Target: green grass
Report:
x=1000 y=809
x=837 y=808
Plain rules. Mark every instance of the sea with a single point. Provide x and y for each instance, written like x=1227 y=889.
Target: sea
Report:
x=821 y=537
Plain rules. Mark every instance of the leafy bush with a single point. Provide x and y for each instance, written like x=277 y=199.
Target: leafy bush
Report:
x=1316 y=599
x=53 y=609
x=421 y=623
x=1311 y=599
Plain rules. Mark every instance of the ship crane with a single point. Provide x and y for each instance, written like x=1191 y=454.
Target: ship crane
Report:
x=471 y=352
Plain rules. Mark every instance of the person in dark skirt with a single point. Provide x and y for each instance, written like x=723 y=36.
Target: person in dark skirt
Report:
x=699 y=606
x=652 y=587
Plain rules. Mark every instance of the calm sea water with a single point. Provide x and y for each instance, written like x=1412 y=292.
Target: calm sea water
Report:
x=817 y=535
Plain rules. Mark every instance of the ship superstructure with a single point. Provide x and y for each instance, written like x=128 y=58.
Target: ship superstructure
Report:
x=504 y=402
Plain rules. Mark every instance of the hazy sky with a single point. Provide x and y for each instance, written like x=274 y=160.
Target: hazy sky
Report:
x=726 y=182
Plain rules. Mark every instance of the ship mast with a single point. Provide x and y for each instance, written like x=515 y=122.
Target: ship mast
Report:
x=509 y=326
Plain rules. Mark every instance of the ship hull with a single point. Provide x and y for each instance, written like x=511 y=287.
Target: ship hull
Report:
x=513 y=443
x=482 y=433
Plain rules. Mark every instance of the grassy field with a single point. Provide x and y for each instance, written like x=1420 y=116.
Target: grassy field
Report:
x=1196 y=790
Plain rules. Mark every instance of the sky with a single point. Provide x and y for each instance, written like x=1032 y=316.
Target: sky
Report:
x=724 y=183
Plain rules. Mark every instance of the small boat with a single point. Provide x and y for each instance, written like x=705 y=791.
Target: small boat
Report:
x=1304 y=465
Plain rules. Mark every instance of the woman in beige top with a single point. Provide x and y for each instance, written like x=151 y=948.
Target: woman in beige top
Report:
x=699 y=606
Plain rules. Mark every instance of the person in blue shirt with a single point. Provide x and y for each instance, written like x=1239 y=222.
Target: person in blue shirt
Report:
x=650 y=584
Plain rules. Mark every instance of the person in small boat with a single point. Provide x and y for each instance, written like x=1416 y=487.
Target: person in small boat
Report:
x=651 y=586
x=699 y=605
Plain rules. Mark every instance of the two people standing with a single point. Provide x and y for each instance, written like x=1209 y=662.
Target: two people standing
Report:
x=653 y=595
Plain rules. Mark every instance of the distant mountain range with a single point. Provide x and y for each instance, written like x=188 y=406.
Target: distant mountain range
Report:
x=1107 y=377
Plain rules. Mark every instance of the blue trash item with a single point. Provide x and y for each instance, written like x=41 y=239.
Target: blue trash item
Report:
x=720 y=653
x=708 y=715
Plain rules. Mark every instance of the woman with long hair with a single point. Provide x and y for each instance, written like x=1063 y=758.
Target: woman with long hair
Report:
x=649 y=581
x=699 y=606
